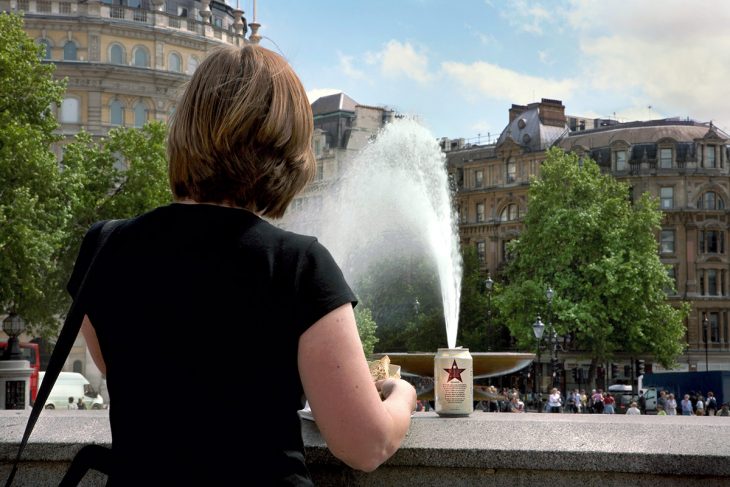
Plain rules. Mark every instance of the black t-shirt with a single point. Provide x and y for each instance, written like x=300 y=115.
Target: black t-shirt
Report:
x=204 y=304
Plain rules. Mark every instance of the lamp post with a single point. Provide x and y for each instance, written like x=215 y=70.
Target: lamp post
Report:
x=706 y=328
x=13 y=326
x=488 y=284
x=553 y=336
x=538 y=328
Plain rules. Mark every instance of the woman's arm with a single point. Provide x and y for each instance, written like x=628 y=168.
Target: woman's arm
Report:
x=92 y=342
x=360 y=429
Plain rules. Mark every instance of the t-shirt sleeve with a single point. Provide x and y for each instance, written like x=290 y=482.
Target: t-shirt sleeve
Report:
x=83 y=260
x=322 y=286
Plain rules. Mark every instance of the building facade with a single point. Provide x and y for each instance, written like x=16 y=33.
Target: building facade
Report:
x=125 y=61
x=684 y=163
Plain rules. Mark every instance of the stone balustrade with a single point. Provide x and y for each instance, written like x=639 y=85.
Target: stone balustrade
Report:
x=484 y=449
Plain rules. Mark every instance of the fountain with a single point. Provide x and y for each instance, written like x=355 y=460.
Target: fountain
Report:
x=394 y=199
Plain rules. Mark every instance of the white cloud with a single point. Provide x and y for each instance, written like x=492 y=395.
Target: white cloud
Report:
x=316 y=93
x=528 y=16
x=401 y=60
x=348 y=68
x=483 y=79
x=670 y=54
x=545 y=57
x=484 y=39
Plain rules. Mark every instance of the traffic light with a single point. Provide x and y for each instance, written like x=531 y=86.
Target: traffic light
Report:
x=640 y=368
x=614 y=370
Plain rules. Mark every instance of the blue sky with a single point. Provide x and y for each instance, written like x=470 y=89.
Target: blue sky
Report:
x=458 y=65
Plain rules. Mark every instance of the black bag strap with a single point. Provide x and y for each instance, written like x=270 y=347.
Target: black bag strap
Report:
x=66 y=338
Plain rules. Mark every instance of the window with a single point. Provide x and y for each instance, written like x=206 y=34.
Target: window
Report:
x=667 y=243
x=666 y=195
x=218 y=22
x=511 y=170
x=482 y=252
x=714 y=327
x=47 y=48
x=509 y=213
x=141 y=59
x=69 y=51
x=712 y=242
x=116 y=54
x=140 y=114
x=192 y=64
x=70 y=110
x=709 y=282
x=672 y=274
x=116 y=113
x=479 y=178
x=620 y=160
x=710 y=201
x=665 y=158
x=480 y=212
x=174 y=63
x=710 y=151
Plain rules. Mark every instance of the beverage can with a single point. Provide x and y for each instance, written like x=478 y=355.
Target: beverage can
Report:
x=453 y=373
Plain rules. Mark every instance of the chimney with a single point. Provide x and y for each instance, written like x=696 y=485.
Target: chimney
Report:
x=552 y=112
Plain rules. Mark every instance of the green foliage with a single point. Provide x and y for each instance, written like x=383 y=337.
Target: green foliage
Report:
x=585 y=239
x=32 y=216
x=366 y=328
x=473 y=326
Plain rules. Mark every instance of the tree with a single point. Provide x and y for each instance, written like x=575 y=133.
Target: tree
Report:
x=366 y=328
x=32 y=214
x=584 y=238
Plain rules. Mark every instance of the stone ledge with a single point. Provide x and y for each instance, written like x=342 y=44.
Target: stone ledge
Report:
x=483 y=449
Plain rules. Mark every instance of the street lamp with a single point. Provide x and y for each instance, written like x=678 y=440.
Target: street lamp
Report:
x=538 y=328
x=553 y=336
x=488 y=284
x=706 y=328
x=13 y=326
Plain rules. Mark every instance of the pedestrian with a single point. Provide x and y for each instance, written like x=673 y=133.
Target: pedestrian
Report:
x=583 y=401
x=239 y=149
x=710 y=404
x=700 y=406
x=724 y=411
x=633 y=409
x=609 y=404
x=555 y=401
x=660 y=410
x=80 y=404
x=598 y=401
x=671 y=405
x=72 y=403
x=642 y=402
x=686 y=404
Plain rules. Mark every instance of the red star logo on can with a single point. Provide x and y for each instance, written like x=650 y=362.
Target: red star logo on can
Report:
x=454 y=372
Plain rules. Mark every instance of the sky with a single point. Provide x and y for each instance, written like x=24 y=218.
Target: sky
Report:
x=458 y=65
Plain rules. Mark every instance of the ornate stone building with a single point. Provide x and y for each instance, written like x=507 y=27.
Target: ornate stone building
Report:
x=684 y=163
x=126 y=59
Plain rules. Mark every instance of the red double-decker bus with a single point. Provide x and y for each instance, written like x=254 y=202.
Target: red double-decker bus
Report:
x=31 y=353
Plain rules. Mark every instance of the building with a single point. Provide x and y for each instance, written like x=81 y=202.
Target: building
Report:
x=342 y=127
x=126 y=59
x=683 y=162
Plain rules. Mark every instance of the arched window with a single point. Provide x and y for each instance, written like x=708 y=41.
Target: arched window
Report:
x=116 y=113
x=116 y=54
x=70 y=110
x=140 y=114
x=47 y=46
x=710 y=201
x=141 y=59
x=174 y=63
x=192 y=64
x=509 y=213
x=69 y=51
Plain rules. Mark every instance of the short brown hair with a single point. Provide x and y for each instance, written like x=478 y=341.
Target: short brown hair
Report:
x=242 y=132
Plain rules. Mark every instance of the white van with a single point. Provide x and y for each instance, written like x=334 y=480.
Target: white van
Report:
x=71 y=384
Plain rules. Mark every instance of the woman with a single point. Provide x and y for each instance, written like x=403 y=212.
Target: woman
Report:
x=609 y=403
x=207 y=272
x=555 y=401
x=671 y=405
x=686 y=406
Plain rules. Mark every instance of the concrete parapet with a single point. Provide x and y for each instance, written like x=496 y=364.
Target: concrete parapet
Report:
x=484 y=449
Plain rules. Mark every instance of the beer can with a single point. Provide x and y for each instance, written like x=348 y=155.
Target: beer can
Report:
x=453 y=374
